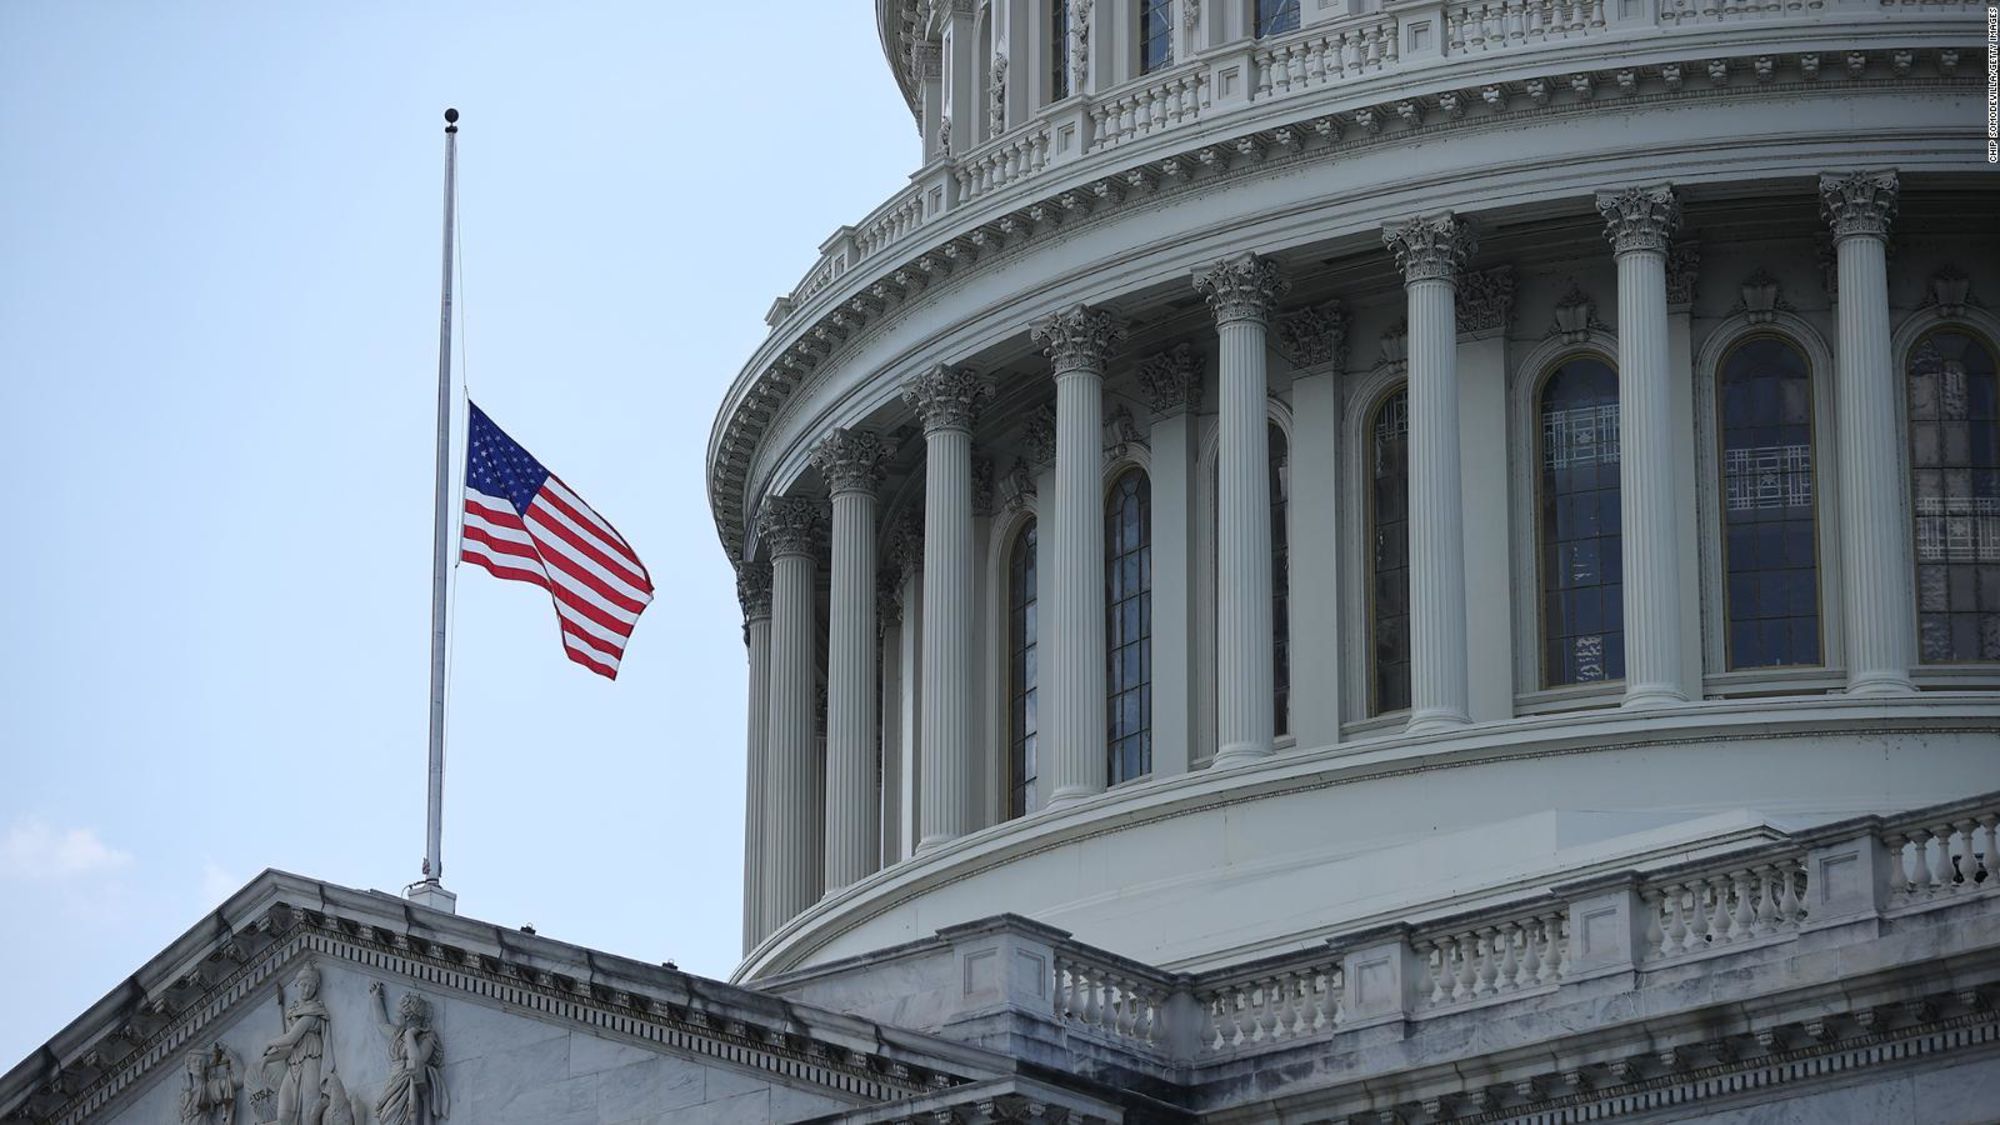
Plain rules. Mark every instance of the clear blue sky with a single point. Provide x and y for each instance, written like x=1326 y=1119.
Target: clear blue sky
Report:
x=218 y=352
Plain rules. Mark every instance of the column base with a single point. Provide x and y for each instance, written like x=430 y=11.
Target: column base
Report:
x=1240 y=754
x=1437 y=721
x=1065 y=797
x=1880 y=683
x=1641 y=697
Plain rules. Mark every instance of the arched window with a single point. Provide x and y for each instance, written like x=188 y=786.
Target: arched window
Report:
x=1955 y=494
x=1023 y=677
x=1389 y=554
x=1276 y=17
x=1281 y=625
x=1156 y=35
x=1058 y=50
x=1578 y=524
x=1770 y=545
x=1128 y=629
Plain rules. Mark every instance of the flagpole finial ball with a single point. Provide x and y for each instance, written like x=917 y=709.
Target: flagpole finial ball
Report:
x=451 y=117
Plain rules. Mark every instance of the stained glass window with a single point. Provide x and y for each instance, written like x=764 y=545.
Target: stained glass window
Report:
x=1281 y=639
x=1156 y=35
x=1955 y=486
x=1128 y=608
x=1023 y=676
x=1275 y=17
x=1579 y=523
x=1389 y=554
x=1770 y=546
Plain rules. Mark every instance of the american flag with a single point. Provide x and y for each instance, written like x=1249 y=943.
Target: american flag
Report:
x=523 y=523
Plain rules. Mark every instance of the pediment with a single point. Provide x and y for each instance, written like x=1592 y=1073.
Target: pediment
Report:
x=298 y=997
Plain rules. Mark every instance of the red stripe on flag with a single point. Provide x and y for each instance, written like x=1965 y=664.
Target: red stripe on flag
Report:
x=499 y=571
x=585 y=546
x=582 y=608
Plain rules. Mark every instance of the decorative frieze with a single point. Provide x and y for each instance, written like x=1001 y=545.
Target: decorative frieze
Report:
x=1641 y=219
x=1431 y=248
x=1859 y=203
x=792 y=525
x=1170 y=379
x=1315 y=336
x=946 y=397
x=1080 y=337
x=1485 y=300
x=1243 y=287
x=851 y=460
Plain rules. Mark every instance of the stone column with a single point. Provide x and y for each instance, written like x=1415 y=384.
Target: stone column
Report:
x=1243 y=292
x=1876 y=571
x=851 y=462
x=753 y=591
x=1078 y=342
x=1431 y=252
x=1639 y=222
x=790 y=527
x=945 y=399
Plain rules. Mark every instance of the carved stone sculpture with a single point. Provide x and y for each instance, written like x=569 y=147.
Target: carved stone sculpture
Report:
x=300 y=1049
x=208 y=1096
x=996 y=97
x=414 y=1093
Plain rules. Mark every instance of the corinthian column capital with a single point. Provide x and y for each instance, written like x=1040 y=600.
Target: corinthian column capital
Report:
x=946 y=398
x=1079 y=338
x=1638 y=219
x=851 y=460
x=1858 y=203
x=1432 y=248
x=1315 y=336
x=753 y=589
x=791 y=525
x=1242 y=287
x=1172 y=379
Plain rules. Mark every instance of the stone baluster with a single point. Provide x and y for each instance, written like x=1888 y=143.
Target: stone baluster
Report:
x=753 y=591
x=1243 y=292
x=1431 y=253
x=1875 y=567
x=1078 y=342
x=1639 y=222
x=791 y=527
x=945 y=400
x=851 y=461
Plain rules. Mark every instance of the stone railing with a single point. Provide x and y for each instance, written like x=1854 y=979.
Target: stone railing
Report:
x=1494 y=958
x=1266 y=1004
x=1326 y=55
x=1120 y=1001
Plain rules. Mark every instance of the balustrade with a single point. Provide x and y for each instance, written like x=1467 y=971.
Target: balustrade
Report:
x=1159 y=104
x=1471 y=28
x=1278 y=1006
x=1717 y=909
x=1676 y=12
x=1117 y=1003
x=1491 y=960
x=1000 y=162
x=1323 y=56
x=1941 y=858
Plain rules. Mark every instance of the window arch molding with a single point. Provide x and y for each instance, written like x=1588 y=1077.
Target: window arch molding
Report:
x=1903 y=342
x=1523 y=439
x=1009 y=521
x=1357 y=415
x=1207 y=447
x=1715 y=348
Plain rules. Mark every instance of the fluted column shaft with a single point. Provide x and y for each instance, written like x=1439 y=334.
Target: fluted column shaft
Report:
x=1639 y=223
x=793 y=770
x=754 y=590
x=945 y=399
x=850 y=461
x=1874 y=542
x=1243 y=292
x=1078 y=341
x=1431 y=252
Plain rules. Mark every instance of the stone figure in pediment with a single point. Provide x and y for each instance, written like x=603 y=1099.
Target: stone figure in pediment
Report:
x=300 y=1050
x=414 y=1093
x=208 y=1095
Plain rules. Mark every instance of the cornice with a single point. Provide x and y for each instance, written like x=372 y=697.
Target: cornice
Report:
x=279 y=918
x=1339 y=120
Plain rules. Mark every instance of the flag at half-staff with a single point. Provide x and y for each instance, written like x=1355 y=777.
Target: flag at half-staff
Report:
x=523 y=523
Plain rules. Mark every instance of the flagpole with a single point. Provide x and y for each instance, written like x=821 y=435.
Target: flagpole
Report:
x=429 y=891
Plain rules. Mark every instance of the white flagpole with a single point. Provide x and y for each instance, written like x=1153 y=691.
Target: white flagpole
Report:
x=429 y=891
